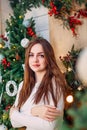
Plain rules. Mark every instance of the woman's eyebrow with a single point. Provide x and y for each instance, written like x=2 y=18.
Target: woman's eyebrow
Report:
x=37 y=53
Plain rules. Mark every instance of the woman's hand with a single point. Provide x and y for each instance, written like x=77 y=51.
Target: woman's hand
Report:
x=46 y=112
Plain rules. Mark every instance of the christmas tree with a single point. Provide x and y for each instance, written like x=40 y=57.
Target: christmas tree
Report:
x=12 y=48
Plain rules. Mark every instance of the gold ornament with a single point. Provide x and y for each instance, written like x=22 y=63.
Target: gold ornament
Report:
x=20 y=16
x=5 y=116
x=1 y=46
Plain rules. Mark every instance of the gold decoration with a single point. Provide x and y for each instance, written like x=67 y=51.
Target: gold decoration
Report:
x=20 y=17
x=1 y=46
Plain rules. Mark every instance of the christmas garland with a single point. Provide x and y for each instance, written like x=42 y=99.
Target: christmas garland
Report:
x=60 y=9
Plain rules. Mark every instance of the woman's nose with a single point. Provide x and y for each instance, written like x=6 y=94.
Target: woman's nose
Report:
x=35 y=58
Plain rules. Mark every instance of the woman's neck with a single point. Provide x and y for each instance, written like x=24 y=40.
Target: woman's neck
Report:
x=39 y=76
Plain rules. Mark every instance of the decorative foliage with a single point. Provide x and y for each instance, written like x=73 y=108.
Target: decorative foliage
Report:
x=78 y=113
x=69 y=62
x=69 y=11
x=75 y=115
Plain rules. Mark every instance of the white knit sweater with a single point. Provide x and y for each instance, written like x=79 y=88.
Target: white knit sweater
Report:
x=24 y=117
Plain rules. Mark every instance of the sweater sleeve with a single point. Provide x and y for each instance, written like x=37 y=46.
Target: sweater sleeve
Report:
x=19 y=119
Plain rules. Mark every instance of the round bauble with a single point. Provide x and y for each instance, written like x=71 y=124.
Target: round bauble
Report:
x=3 y=127
x=25 y=42
x=81 y=66
x=27 y=23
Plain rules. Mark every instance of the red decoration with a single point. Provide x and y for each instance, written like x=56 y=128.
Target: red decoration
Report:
x=4 y=38
x=5 y=63
x=30 y=32
x=73 y=21
x=62 y=13
x=82 y=13
x=53 y=9
x=8 y=107
x=43 y=1
x=17 y=56
x=66 y=58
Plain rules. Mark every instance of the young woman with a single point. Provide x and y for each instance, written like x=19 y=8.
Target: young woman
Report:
x=39 y=103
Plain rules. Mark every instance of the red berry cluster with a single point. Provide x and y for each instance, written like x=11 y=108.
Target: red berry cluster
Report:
x=5 y=63
x=74 y=20
x=3 y=37
x=30 y=32
x=53 y=9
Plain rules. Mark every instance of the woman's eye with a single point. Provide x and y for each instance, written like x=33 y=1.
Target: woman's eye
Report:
x=31 y=55
x=41 y=56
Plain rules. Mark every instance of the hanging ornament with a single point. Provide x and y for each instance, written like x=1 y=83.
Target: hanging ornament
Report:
x=27 y=23
x=3 y=127
x=5 y=116
x=17 y=56
x=81 y=66
x=11 y=88
x=1 y=57
x=25 y=42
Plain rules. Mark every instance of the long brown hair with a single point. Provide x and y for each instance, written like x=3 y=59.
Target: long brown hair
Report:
x=46 y=85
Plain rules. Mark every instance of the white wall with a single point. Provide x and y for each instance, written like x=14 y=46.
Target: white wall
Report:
x=40 y=16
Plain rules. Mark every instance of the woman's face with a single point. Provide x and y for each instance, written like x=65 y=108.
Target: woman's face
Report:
x=37 y=60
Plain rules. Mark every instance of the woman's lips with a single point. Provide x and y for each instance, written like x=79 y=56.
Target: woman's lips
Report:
x=36 y=65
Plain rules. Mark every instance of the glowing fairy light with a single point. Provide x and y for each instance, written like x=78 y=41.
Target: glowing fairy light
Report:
x=69 y=99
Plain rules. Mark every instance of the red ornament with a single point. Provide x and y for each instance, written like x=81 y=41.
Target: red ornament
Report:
x=73 y=21
x=43 y=1
x=53 y=9
x=5 y=63
x=83 y=13
x=4 y=38
x=30 y=32
x=8 y=107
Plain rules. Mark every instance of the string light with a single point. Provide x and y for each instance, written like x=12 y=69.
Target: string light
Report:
x=1 y=46
x=79 y=88
x=69 y=98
